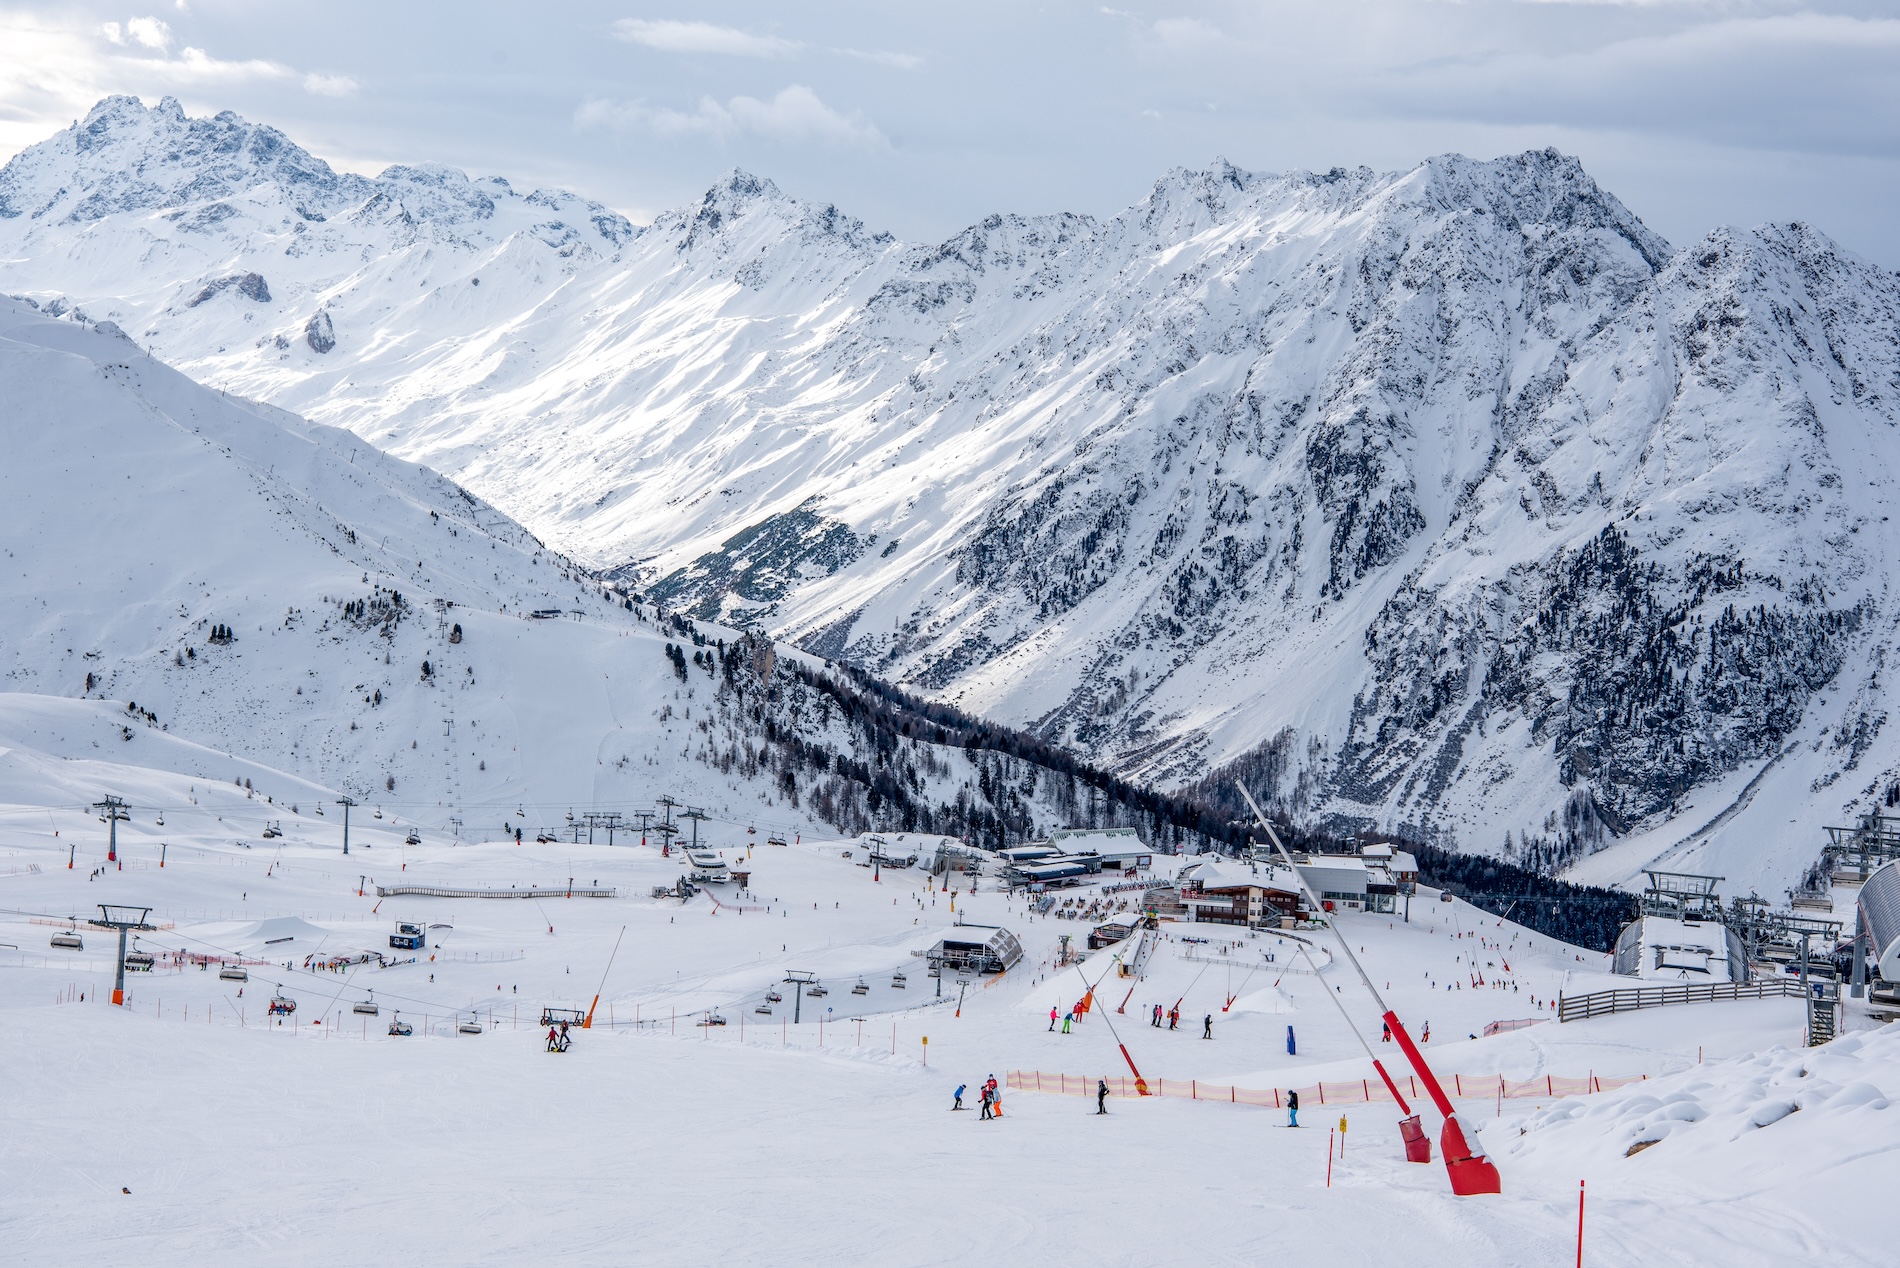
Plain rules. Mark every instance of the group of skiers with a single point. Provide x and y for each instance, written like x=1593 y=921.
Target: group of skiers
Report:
x=991 y=1097
x=557 y=1038
x=1173 y=1016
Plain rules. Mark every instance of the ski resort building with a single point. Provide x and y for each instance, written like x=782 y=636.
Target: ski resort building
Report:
x=1119 y=849
x=976 y=949
x=1230 y=894
x=1664 y=949
x=1879 y=904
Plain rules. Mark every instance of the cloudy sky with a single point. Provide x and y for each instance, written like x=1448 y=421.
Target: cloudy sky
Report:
x=919 y=118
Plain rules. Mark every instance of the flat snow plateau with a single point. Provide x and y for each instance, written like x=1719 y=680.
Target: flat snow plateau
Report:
x=659 y=1140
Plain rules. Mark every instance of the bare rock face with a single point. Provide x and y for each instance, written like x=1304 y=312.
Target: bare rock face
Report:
x=250 y=285
x=319 y=333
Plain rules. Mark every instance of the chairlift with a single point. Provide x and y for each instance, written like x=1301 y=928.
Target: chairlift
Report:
x=773 y=997
x=161 y=819
x=379 y=812
x=69 y=940
x=365 y=1008
x=272 y=830
x=139 y=961
x=862 y=988
x=234 y=973
x=713 y=1019
x=899 y=981
x=775 y=840
x=399 y=1027
x=816 y=992
x=281 y=1005
x=412 y=838
x=752 y=832
x=764 y=1008
x=470 y=1026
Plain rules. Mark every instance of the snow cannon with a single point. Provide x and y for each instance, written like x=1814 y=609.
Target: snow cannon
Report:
x=1471 y=1172
x=1418 y=1146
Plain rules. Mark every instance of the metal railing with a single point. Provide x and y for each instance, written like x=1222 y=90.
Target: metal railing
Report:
x=1602 y=1003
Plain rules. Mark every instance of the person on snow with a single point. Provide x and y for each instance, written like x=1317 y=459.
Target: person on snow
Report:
x=1425 y=1033
x=1174 y=1019
x=1066 y=1019
x=554 y=1040
x=1207 y=1026
x=958 y=1094
x=996 y=1097
x=1101 y=1096
x=1292 y=1109
x=1052 y=1017
x=1156 y=1023
x=985 y=1116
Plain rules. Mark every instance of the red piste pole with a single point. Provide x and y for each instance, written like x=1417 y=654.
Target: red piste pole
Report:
x=1579 y=1224
x=1329 y=1159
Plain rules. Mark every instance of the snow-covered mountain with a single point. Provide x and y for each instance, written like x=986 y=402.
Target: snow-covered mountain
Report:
x=1451 y=499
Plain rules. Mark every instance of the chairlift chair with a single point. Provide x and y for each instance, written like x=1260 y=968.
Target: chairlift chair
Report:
x=899 y=981
x=469 y=1026
x=773 y=997
x=138 y=961
x=397 y=1026
x=160 y=822
x=281 y=1005
x=817 y=992
x=379 y=812
x=70 y=941
x=234 y=973
x=764 y=1008
x=412 y=838
x=713 y=1019
x=365 y=1008
x=862 y=988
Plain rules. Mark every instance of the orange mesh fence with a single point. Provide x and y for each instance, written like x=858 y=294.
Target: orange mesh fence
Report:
x=1349 y=1092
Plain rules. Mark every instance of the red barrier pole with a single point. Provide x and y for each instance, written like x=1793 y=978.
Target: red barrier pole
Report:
x=1329 y=1158
x=1579 y=1224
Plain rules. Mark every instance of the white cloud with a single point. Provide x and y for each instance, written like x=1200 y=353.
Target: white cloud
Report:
x=669 y=36
x=902 y=61
x=330 y=85
x=795 y=115
x=150 y=33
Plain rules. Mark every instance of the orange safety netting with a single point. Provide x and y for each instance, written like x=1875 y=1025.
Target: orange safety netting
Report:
x=1357 y=1091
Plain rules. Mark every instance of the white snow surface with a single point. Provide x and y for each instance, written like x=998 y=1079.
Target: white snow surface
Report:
x=657 y=1139
x=1311 y=467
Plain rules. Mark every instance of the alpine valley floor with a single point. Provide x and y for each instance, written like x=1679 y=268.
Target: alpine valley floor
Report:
x=658 y=1140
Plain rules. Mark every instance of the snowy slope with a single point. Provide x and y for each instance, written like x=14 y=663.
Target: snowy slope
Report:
x=1428 y=494
x=141 y=512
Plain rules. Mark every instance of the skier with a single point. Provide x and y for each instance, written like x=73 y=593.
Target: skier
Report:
x=1174 y=1018
x=1067 y=1018
x=985 y=1116
x=1157 y=1021
x=1207 y=1026
x=1052 y=1017
x=959 y=1096
x=1425 y=1033
x=1101 y=1096
x=554 y=1040
x=1386 y=1027
x=1292 y=1109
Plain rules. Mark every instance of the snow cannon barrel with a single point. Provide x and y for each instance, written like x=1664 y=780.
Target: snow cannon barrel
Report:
x=1418 y=1146
x=1471 y=1172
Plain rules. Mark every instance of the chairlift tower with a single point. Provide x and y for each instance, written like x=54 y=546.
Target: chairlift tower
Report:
x=798 y=981
x=346 y=803
x=122 y=919
x=696 y=815
x=112 y=810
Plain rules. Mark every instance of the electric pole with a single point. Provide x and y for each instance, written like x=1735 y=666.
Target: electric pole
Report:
x=346 y=803
x=112 y=810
